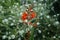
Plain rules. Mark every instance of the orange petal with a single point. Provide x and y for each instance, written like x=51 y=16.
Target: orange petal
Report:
x=24 y=16
x=33 y=15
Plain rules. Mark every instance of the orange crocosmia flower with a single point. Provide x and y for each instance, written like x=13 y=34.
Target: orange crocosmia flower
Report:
x=33 y=14
x=24 y=15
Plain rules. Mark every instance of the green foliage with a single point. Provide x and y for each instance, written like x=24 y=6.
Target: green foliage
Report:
x=11 y=23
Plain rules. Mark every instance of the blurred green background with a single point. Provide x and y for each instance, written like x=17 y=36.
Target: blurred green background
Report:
x=48 y=14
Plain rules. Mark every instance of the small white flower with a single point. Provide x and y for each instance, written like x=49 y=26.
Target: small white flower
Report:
x=12 y=24
x=45 y=0
x=38 y=23
x=9 y=7
x=21 y=32
x=10 y=18
x=39 y=31
x=54 y=15
x=12 y=36
x=40 y=4
x=22 y=9
x=52 y=8
x=35 y=8
x=5 y=20
x=41 y=14
x=15 y=6
x=3 y=1
x=20 y=20
x=43 y=36
x=21 y=13
x=49 y=25
x=55 y=0
x=9 y=32
x=56 y=23
x=26 y=5
x=12 y=11
x=34 y=1
x=19 y=38
x=1 y=6
x=41 y=18
x=41 y=0
x=6 y=33
x=27 y=29
x=58 y=36
x=26 y=20
x=13 y=20
x=58 y=14
x=42 y=8
x=18 y=14
x=48 y=33
x=4 y=36
x=48 y=16
x=21 y=6
x=9 y=37
x=17 y=3
x=54 y=36
x=30 y=26
x=2 y=11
